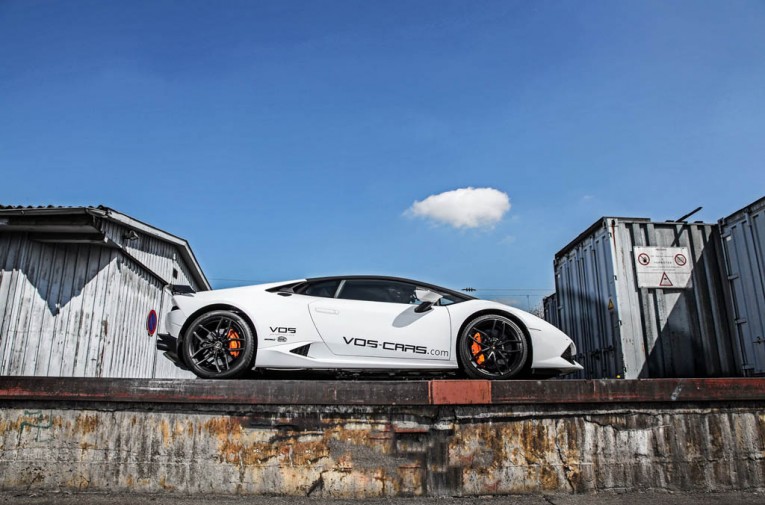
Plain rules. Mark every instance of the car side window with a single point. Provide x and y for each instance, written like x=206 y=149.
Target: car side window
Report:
x=323 y=289
x=375 y=290
x=447 y=300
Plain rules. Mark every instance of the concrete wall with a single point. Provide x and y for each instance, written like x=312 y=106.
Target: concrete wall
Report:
x=342 y=451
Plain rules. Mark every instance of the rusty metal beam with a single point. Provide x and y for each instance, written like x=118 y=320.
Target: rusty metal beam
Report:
x=271 y=392
x=326 y=392
x=628 y=391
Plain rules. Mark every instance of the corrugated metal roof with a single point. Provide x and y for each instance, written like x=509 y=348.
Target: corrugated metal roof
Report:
x=22 y=207
x=110 y=214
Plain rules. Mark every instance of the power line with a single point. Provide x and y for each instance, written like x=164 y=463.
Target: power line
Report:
x=521 y=290
x=516 y=289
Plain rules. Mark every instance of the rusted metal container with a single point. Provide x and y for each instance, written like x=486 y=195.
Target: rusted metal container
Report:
x=645 y=299
x=77 y=286
x=743 y=235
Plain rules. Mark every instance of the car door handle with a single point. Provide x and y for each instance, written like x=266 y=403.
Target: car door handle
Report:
x=324 y=310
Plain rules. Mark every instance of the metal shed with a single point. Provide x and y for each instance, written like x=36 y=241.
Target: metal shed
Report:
x=645 y=299
x=743 y=234
x=77 y=286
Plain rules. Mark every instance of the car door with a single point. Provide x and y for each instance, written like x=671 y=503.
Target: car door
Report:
x=377 y=318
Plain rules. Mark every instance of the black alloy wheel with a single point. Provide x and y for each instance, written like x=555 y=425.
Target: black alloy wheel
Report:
x=493 y=347
x=219 y=345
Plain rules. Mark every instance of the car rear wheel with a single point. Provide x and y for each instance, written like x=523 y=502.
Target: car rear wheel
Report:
x=219 y=345
x=493 y=347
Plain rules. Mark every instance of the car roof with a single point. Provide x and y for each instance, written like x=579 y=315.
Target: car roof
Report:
x=452 y=292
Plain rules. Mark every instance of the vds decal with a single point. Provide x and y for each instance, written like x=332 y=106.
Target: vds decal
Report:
x=282 y=329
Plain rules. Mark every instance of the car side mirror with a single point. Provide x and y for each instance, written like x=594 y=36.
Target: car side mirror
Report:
x=428 y=299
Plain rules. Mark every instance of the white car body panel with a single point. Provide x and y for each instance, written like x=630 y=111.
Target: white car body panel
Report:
x=380 y=329
x=354 y=334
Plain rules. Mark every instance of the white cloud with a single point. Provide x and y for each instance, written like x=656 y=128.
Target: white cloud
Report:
x=464 y=208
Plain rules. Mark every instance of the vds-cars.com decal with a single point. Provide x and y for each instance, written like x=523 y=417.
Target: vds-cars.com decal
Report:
x=394 y=346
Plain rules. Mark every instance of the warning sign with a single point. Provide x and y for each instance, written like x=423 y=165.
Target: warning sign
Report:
x=662 y=267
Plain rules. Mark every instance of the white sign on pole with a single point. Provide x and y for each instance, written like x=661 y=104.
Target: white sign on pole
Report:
x=663 y=267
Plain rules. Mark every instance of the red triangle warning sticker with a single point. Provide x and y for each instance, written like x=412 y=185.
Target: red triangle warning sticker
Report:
x=665 y=282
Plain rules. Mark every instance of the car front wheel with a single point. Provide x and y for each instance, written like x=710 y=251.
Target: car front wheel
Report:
x=493 y=347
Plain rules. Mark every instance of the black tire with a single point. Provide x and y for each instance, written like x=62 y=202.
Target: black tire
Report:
x=493 y=347
x=219 y=345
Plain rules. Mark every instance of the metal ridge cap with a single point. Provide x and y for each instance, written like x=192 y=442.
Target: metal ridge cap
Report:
x=40 y=210
x=119 y=217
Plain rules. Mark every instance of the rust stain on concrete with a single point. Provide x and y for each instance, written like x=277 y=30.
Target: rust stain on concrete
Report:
x=222 y=427
x=164 y=428
x=164 y=485
x=85 y=423
x=78 y=482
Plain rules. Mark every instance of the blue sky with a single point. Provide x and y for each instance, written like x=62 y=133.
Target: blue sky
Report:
x=288 y=139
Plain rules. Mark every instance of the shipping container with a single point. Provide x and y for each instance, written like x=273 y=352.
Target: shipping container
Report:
x=79 y=289
x=646 y=299
x=743 y=235
x=550 y=308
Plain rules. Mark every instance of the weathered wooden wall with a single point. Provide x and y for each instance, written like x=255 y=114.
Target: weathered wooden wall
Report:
x=80 y=309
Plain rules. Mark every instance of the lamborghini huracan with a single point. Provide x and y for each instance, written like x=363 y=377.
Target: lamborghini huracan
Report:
x=359 y=323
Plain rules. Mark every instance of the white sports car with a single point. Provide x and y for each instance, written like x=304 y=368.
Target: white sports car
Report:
x=359 y=323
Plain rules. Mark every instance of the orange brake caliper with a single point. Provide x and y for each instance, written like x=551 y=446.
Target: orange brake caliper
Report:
x=476 y=349
x=233 y=344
